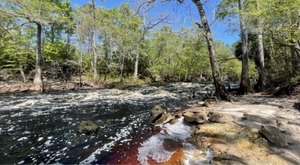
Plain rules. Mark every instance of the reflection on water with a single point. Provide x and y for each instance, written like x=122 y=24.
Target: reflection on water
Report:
x=37 y=128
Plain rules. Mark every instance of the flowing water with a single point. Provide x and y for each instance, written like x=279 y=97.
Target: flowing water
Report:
x=42 y=128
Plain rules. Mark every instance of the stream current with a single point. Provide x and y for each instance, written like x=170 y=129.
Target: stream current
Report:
x=42 y=128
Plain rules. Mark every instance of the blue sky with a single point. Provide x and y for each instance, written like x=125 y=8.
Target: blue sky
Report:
x=181 y=15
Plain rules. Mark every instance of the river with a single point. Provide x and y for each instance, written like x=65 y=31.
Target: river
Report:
x=42 y=128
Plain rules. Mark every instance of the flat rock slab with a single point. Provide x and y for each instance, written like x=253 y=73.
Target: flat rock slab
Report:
x=274 y=135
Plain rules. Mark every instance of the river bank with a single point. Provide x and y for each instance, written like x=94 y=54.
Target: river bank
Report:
x=235 y=134
x=49 y=86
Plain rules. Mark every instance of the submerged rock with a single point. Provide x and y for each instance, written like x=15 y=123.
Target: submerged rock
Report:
x=87 y=127
x=171 y=145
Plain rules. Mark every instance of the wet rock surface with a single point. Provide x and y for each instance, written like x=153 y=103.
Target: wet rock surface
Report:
x=171 y=145
x=87 y=127
x=158 y=115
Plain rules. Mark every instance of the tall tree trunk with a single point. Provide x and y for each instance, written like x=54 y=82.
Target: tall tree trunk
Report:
x=221 y=91
x=80 y=65
x=52 y=34
x=68 y=41
x=295 y=53
x=23 y=74
x=95 y=77
x=38 y=82
x=136 y=65
x=245 y=82
x=122 y=60
x=261 y=56
x=106 y=60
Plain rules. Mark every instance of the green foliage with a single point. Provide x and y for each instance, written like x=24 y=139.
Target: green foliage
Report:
x=59 y=52
x=121 y=35
x=232 y=69
x=178 y=55
x=15 y=50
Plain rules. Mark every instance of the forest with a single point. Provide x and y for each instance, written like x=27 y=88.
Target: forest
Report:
x=53 y=41
x=121 y=82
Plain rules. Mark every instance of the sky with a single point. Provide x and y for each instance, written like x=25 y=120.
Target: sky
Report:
x=181 y=15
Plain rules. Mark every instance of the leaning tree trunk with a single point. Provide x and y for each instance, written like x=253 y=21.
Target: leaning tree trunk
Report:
x=38 y=83
x=261 y=68
x=245 y=83
x=221 y=91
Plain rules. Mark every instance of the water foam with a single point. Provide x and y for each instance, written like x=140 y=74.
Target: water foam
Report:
x=153 y=147
x=124 y=132
x=178 y=130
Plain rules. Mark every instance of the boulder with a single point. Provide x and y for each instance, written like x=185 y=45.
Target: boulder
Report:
x=206 y=104
x=87 y=127
x=273 y=135
x=178 y=114
x=169 y=118
x=195 y=117
x=158 y=115
x=215 y=117
x=171 y=145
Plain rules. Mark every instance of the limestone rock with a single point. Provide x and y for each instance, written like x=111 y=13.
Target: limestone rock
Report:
x=215 y=117
x=87 y=127
x=274 y=135
x=206 y=104
x=196 y=118
x=256 y=118
x=169 y=118
x=171 y=145
x=178 y=114
x=158 y=115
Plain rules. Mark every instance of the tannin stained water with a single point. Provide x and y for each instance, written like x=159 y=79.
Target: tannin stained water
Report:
x=42 y=128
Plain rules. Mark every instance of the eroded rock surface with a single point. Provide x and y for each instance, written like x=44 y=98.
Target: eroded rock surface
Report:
x=158 y=115
x=87 y=127
x=274 y=135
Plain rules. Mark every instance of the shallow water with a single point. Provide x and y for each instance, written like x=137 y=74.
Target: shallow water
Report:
x=42 y=128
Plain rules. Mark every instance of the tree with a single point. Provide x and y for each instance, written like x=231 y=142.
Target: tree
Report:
x=41 y=13
x=221 y=91
x=95 y=76
x=245 y=82
x=86 y=32
x=261 y=54
x=16 y=53
x=142 y=11
x=127 y=33
x=219 y=84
